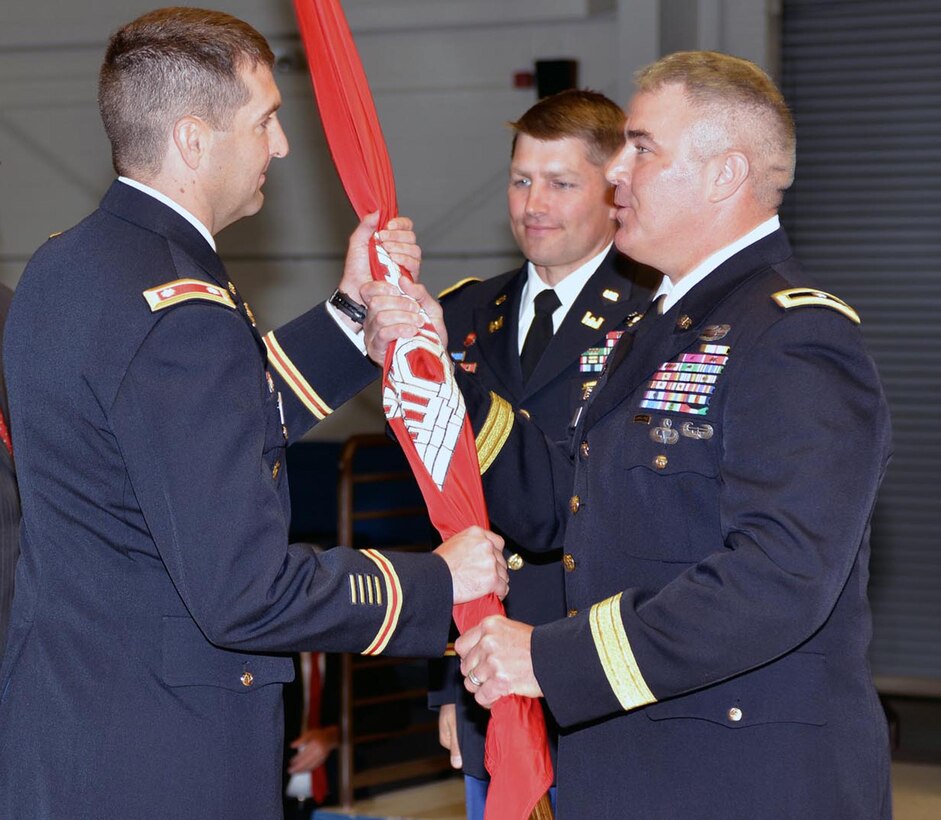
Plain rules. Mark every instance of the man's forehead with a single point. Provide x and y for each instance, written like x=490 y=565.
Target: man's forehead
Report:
x=570 y=150
x=650 y=111
x=260 y=82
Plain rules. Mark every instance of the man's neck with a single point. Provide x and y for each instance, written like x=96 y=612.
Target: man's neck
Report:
x=716 y=240
x=160 y=194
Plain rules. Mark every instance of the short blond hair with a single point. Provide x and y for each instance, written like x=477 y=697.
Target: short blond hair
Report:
x=745 y=108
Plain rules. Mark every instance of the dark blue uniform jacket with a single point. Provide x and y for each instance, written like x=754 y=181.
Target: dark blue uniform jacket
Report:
x=156 y=580
x=715 y=499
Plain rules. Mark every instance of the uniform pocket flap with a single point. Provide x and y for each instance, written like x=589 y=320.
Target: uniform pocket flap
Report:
x=190 y=660
x=790 y=690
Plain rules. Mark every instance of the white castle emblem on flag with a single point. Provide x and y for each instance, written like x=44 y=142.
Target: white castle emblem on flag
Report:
x=420 y=389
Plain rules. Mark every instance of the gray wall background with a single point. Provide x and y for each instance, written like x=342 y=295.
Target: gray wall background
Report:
x=441 y=72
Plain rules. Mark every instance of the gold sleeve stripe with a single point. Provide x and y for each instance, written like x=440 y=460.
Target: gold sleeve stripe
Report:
x=352 y=589
x=495 y=432
x=301 y=387
x=449 y=651
x=617 y=658
x=799 y=297
x=375 y=581
x=184 y=290
x=394 y=598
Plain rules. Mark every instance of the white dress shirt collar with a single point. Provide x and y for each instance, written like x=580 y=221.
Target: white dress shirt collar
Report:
x=567 y=290
x=676 y=292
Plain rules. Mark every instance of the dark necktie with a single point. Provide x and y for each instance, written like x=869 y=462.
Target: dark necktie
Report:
x=540 y=331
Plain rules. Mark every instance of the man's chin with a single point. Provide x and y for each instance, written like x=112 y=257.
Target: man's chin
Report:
x=623 y=241
x=254 y=206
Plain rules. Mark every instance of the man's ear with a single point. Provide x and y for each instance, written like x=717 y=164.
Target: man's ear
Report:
x=730 y=170
x=191 y=138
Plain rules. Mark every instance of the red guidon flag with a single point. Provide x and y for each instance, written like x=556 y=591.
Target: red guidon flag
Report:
x=421 y=400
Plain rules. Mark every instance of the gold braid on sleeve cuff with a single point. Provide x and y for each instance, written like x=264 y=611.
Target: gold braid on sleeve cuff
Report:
x=393 y=602
x=495 y=432
x=616 y=656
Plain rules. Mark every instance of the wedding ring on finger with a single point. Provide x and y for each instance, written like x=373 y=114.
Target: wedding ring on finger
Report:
x=474 y=679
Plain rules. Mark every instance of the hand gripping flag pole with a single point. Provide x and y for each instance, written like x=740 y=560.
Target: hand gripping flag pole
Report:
x=421 y=400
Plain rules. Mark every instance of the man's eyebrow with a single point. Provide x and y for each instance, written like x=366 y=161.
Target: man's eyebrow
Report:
x=639 y=134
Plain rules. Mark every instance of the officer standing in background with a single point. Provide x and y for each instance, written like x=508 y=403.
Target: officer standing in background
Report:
x=156 y=587
x=561 y=212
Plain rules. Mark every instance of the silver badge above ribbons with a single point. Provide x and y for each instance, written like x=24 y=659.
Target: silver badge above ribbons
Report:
x=712 y=333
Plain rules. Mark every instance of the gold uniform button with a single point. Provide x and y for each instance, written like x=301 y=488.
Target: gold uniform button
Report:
x=572 y=613
x=515 y=561
x=684 y=322
x=583 y=449
x=247 y=679
x=524 y=413
x=568 y=561
x=574 y=503
x=660 y=462
x=276 y=469
x=735 y=714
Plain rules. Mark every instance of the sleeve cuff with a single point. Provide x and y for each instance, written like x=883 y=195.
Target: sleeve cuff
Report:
x=357 y=337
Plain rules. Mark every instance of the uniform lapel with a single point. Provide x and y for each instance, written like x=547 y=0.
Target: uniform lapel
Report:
x=496 y=324
x=664 y=338
x=604 y=302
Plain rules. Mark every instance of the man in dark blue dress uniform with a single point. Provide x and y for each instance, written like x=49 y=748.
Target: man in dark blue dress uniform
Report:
x=714 y=498
x=562 y=216
x=156 y=585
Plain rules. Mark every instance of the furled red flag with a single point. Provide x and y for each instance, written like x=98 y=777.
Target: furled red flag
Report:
x=421 y=399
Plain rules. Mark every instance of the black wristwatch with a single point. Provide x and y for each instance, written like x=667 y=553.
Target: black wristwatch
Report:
x=345 y=305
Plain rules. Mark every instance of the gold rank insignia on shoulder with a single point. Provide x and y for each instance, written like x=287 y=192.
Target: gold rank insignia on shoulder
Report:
x=183 y=290
x=610 y=295
x=495 y=325
x=803 y=297
x=54 y=235
x=500 y=299
x=592 y=321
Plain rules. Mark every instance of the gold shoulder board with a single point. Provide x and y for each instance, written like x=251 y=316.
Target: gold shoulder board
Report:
x=184 y=290
x=802 y=297
x=457 y=286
